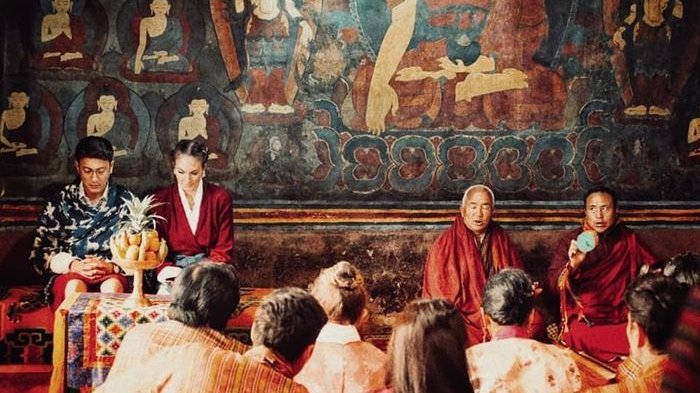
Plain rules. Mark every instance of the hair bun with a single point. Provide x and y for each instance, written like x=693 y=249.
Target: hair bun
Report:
x=345 y=279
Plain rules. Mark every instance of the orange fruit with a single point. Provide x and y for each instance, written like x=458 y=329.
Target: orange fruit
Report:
x=152 y=244
x=134 y=239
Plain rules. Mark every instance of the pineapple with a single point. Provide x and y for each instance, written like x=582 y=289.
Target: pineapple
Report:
x=136 y=239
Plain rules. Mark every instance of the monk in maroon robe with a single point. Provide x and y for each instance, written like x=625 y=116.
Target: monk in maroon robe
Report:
x=465 y=255
x=592 y=284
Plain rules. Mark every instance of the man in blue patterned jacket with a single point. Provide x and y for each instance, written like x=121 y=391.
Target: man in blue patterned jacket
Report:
x=71 y=247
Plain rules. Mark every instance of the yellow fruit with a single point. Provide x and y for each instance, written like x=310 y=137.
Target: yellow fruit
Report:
x=162 y=251
x=134 y=239
x=152 y=234
x=152 y=244
x=121 y=241
x=132 y=253
x=150 y=256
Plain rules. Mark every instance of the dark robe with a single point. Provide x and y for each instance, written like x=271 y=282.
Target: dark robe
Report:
x=599 y=286
x=457 y=269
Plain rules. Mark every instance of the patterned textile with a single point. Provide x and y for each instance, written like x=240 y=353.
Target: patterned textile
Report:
x=146 y=340
x=521 y=365
x=70 y=224
x=89 y=329
x=636 y=379
x=26 y=332
x=204 y=368
x=684 y=351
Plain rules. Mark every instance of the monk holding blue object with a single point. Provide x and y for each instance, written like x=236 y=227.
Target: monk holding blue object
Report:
x=590 y=270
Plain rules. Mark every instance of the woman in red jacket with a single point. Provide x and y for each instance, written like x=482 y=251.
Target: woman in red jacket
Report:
x=198 y=216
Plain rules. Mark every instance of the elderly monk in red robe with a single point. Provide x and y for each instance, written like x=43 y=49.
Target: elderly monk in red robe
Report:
x=465 y=255
x=592 y=284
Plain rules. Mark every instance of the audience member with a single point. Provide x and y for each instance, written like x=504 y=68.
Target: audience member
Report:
x=426 y=352
x=681 y=372
x=197 y=216
x=512 y=361
x=204 y=297
x=684 y=268
x=286 y=325
x=465 y=255
x=654 y=302
x=71 y=247
x=341 y=362
x=591 y=278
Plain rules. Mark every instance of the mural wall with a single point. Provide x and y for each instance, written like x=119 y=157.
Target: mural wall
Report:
x=359 y=100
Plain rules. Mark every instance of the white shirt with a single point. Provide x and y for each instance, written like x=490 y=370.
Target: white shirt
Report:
x=193 y=213
x=339 y=334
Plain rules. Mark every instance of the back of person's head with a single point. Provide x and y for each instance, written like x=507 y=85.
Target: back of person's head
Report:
x=190 y=147
x=341 y=292
x=684 y=268
x=654 y=303
x=287 y=321
x=603 y=190
x=509 y=297
x=426 y=351
x=94 y=147
x=205 y=294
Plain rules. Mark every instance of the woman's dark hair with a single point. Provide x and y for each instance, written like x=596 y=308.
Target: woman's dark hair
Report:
x=341 y=292
x=287 y=321
x=190 y=147
x=684 y=268
x=426 y=350
x=509 y=297
x=205 y=294
x=654 y=302
x=601 y=189
x=94 y=147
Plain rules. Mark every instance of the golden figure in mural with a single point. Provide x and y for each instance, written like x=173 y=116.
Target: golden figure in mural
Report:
x=198 y=124
x=481 y=78
x=694 y=136
x=650 y=49
x=15 y=122
x=110 y=124
x=160 y=39
x=63 y=38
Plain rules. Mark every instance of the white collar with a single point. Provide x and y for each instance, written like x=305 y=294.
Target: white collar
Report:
x=339 y=334
x=84 y=198
x=192 y=214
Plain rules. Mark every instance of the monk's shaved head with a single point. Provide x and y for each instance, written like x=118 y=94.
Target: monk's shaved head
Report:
x=475 y=188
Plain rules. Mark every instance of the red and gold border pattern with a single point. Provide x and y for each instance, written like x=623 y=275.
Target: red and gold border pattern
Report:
x=26 y=214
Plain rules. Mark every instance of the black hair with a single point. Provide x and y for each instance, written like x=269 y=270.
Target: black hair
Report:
x=655 y=303
x=205 y=294
x=508 y=297
x=94 y=147
x=190 y=147
x=287 y=321
x=601 y=189
x=684 y=268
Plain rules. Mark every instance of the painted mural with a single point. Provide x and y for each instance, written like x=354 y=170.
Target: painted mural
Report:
x=360 y=100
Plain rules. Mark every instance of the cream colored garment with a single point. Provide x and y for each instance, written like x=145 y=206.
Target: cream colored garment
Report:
x=341 y=363
x=521 y=365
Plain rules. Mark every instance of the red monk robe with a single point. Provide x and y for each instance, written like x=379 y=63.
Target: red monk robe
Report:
x=599 y=284
x=454 y=270
x=214 y=235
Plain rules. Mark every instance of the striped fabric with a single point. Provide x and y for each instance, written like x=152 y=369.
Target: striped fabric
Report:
x=634 y=379
x=146 y=340
x=682 y=370
x=201 y=368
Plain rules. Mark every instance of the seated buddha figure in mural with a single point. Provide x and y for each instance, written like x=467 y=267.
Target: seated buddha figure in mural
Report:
x=111 y=124
x=159 y=43
x=441 y=61
x=198 y=125
x=645 y=37
x=277 y=39
x=62 y=38
x=20 y=129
